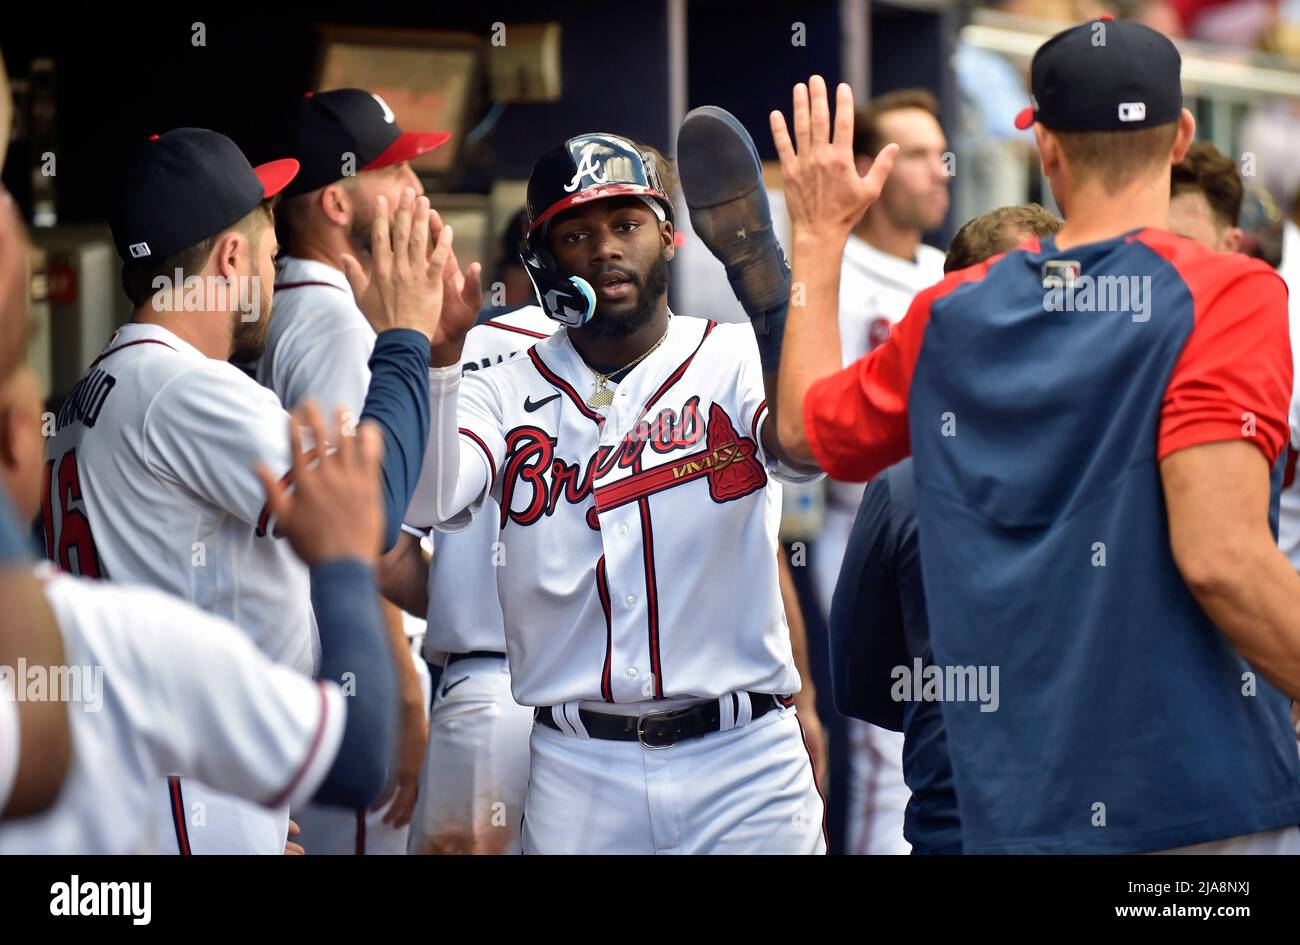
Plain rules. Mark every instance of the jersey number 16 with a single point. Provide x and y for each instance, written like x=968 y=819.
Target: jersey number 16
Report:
x=72 y=546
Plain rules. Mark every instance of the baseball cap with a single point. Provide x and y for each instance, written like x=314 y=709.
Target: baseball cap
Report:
x=1105 y=75
x=333 y=124
x=187 y=185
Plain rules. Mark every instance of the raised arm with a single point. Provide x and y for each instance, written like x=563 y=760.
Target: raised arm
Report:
x=825 y=197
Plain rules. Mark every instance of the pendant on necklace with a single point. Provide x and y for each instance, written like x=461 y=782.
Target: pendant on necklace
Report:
x=602 y=396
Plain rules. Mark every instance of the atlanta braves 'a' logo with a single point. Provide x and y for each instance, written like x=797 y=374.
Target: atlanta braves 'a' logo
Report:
x=533 y=472
x=587 y=167
x=389 y=117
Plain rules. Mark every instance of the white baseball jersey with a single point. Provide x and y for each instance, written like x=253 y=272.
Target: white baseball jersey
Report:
x=9 y=744
x=163 y=688
x=639 y=539
x=319 y=343
x=151 y=482
x=464 y=613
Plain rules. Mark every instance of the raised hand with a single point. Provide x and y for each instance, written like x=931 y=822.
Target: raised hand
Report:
x=462 y=297
x=405 y=286
x=824 y=193
x=334 y=509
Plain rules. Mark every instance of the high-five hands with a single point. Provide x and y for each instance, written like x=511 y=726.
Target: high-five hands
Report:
x=404 y=288
x=824 y=193
x=333 y=509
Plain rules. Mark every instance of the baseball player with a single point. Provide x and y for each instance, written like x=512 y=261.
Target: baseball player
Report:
x=476 y=766
x=1205 y=198
x=150 y=469
x=350 y=151
x=877 y=620
x=1093 y=477
x=159 y=688
x=632 y=457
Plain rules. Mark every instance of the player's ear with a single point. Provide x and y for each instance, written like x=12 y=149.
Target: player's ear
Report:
x=1049 y=150
x=668 y=237
x=336 y=204
x=1231 y=239
x=1183 y=139
x=230 y=249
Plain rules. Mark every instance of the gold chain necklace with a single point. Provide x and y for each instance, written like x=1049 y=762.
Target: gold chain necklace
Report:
x=603 y=396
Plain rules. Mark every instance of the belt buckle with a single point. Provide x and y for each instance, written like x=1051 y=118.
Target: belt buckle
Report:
x=641 y=734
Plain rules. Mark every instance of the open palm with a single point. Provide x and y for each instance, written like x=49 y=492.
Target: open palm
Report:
x=823 y=189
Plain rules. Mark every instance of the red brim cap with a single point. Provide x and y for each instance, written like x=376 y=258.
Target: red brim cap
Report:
x=275 y=175
x=409 y=144
x=594 y=193
x=1025 y=118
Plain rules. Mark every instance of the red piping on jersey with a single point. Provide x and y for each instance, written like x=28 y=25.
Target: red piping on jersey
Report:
x=813 y=766
x=178 y=816
x=602 y=589
x=651 y=587
x=360 y=848
x=676 y=376
x=299 y=285
x=523 y=331
x=141 y=341
x=753 y=426
x=563 y=386
x=311 y=752
x=486 y=452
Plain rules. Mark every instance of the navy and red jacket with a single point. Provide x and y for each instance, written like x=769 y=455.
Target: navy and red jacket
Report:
x=1126 y=721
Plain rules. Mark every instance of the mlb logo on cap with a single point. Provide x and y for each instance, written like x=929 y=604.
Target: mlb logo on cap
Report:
x=1077 y=85
x=1132 y=111
x=139 y=250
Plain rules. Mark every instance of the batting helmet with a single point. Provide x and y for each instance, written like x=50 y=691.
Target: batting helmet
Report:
x=588 y=167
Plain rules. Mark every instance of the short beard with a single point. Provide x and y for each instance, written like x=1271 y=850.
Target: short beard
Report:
x=249 y=336
x=656 y=284
x=363 y=222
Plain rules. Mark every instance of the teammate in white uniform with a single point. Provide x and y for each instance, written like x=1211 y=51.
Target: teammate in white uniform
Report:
x=150 y=473
x=182 y=691
x=319 y=346
x=476 y=766
x=153 y=686
x=630 y=455
x=885 y=265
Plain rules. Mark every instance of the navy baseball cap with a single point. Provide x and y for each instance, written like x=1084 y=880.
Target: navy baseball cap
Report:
x=185 y=186
x=331 y=125
x=1106 y=75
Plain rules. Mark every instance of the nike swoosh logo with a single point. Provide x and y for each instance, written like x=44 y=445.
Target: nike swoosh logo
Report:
x=448 y=687
x=530 y=405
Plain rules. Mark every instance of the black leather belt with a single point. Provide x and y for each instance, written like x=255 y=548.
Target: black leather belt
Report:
x=473 y=655
x=664 y=729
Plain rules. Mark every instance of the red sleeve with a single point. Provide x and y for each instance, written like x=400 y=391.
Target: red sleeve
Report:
x=1233 y=378
x=856 y=418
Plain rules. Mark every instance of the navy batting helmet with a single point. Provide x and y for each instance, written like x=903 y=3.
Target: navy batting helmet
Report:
x=588 y=167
